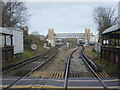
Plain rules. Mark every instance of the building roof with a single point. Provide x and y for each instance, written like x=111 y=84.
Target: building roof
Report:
x=9 y=30
x=6 y=31
x=112 y=28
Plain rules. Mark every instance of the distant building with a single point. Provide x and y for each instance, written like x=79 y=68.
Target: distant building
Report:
x=42 y=37
x=93 y=39
x=59 y=38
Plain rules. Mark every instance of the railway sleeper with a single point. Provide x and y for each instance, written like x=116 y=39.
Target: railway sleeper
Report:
x=103 y=74
x=80 y=74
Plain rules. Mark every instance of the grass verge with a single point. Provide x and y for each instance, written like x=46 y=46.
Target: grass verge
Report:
x=109 y=67
x=23 y=56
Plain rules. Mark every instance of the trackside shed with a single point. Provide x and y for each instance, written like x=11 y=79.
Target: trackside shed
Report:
x=11 y=42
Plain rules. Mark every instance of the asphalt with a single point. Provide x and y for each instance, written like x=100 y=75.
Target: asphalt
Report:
x=58 y=83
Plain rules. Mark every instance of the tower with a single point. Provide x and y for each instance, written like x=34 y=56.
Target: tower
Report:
x=50 y=34
x=51 y=38
x=87 y=36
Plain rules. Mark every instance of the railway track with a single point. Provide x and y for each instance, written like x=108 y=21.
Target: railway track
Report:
x=25 y=62
x=68 y=72
x=103 y=74
x=81 y=71
x=51 y=74
x=100 y=73
x=22 y=68
x=95 y=71
x=77 y=67
x=46 y=58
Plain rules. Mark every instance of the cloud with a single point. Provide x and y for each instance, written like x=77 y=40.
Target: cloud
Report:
x=63 y=17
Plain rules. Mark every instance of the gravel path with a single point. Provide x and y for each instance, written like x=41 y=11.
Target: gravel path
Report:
x=58 y=63
x=77 y=64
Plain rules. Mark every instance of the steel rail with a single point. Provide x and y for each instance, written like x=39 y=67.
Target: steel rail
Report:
x=18 y=80
x=42 y=83
x=95 y=74
x=66 y=72
x=96 y=68
x=26 y=62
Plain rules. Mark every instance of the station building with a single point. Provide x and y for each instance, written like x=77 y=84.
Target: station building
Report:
x=76 y=38
x=110 y=49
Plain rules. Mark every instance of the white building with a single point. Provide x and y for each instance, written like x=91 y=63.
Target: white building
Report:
x=12 y=37
x=93 y=39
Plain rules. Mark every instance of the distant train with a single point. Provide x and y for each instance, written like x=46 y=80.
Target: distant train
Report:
x=58 y=42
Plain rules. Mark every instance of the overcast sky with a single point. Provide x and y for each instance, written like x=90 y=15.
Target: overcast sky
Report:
x=63 y=17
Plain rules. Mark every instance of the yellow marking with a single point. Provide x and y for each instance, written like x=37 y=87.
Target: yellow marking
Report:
x=47 y=86
x=114 y=87
x=62 y=75
x=93 y=87
x=106 y=74
x=57 y=74
x=99 y=74
x=3 y=86
x=103 y=74
x=52 y=74
x=25 y=86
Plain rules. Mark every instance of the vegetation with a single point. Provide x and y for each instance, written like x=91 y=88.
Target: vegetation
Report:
x=28 y=52
x=90 y=51
x=104 y=18
x=110 y=68
x=23 y=56
x=14 y=14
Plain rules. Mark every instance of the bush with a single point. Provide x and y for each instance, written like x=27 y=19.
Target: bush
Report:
x=112 y=69
x=27 y=42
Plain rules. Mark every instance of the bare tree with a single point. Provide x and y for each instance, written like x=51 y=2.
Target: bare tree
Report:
x=35 y=33
x=104 y=17
x=14 y=14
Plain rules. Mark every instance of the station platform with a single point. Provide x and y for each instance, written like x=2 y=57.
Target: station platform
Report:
x=58 y=83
